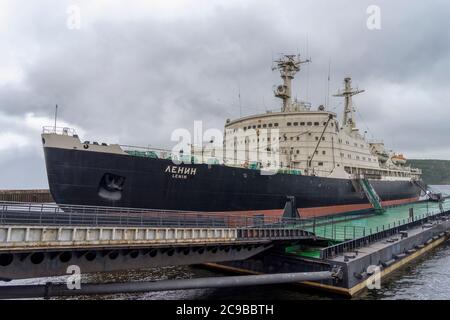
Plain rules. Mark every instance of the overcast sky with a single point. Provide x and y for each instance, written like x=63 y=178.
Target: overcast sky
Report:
x=133 y=71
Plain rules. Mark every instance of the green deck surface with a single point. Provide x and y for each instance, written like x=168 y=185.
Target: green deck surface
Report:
x=339 y=230
x=393 y=216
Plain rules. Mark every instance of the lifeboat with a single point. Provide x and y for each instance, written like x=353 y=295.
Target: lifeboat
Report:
x=398 y=159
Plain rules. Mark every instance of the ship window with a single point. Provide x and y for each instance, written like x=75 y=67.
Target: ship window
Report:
x=254 y=127
x=357 y=157
x=298 y=138
x=298 y=151
x=288 y=124
x=317 y=152
x=302 y=123
x=295 y=123
x=309 y=123
x=259 y=126
x=292 y=138
x=317 y=138
x=275 y=124
x=324 y=123
x=323 y=138
x=323 y=152
x=320 y=163
x=309 y=133
x=264 y=125
x=316 y=123
x=349 y=156
x=270 y=125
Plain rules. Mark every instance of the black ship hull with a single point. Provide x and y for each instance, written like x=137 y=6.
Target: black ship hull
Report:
x=107 y=179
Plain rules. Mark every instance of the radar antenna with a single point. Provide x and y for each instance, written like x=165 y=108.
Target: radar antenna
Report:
x=348 y=93
x=288 y=65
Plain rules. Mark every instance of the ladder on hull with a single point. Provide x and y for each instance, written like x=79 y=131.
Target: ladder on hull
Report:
x=371 y=194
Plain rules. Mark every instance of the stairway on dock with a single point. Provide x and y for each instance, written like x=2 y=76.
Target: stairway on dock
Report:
x=371 y=194
x=433 y=196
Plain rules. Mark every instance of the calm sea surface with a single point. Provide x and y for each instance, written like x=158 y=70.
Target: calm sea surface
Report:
x=426 y=278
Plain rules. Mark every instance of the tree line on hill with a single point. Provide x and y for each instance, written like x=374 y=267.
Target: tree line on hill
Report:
x=433 y=171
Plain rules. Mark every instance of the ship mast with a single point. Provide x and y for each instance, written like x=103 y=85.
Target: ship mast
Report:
x=288 y=65
x=348 y=93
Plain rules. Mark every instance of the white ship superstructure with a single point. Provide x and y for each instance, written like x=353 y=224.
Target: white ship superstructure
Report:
x=312 y=140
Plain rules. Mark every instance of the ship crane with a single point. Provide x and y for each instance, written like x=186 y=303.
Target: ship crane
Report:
x=348 y=93
x=288 y=65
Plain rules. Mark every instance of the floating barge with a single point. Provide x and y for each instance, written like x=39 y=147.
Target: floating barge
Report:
x=366 y=248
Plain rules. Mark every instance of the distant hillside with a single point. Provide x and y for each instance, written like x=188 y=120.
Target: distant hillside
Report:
x=434 y=171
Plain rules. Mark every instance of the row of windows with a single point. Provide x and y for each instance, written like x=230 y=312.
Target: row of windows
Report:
x=297 y=151
x=359 y=158
x=298 y=138
x=295 y=124
x=348 y=143
x=270 y=125
x=377 y=172
x=292 y=138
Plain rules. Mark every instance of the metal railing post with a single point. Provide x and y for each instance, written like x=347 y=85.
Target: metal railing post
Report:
x=314 y=225
x=3 y=220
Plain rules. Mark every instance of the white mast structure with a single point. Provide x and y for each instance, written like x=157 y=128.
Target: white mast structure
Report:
x=348 y=92
x=288 y=65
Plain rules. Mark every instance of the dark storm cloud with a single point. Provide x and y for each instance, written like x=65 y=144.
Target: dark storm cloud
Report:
x=136 y=78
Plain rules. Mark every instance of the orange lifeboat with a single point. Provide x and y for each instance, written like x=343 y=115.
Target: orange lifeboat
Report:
x=398 y=159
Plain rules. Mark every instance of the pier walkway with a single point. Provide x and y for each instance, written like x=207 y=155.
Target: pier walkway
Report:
x=44 y=239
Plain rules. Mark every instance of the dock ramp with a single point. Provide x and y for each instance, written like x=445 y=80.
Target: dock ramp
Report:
x=433 y=196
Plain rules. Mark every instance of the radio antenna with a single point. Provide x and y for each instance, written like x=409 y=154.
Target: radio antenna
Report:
x=327 y=100
x=56 y=115
x=307 y=69
x=239 y=96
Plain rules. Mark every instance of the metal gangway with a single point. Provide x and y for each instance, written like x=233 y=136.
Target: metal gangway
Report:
x=44 y=239
x=371 y=194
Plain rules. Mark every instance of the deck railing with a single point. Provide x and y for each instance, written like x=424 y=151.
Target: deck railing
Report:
x=52 y=214
x=371 y=235
x=59 y=130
